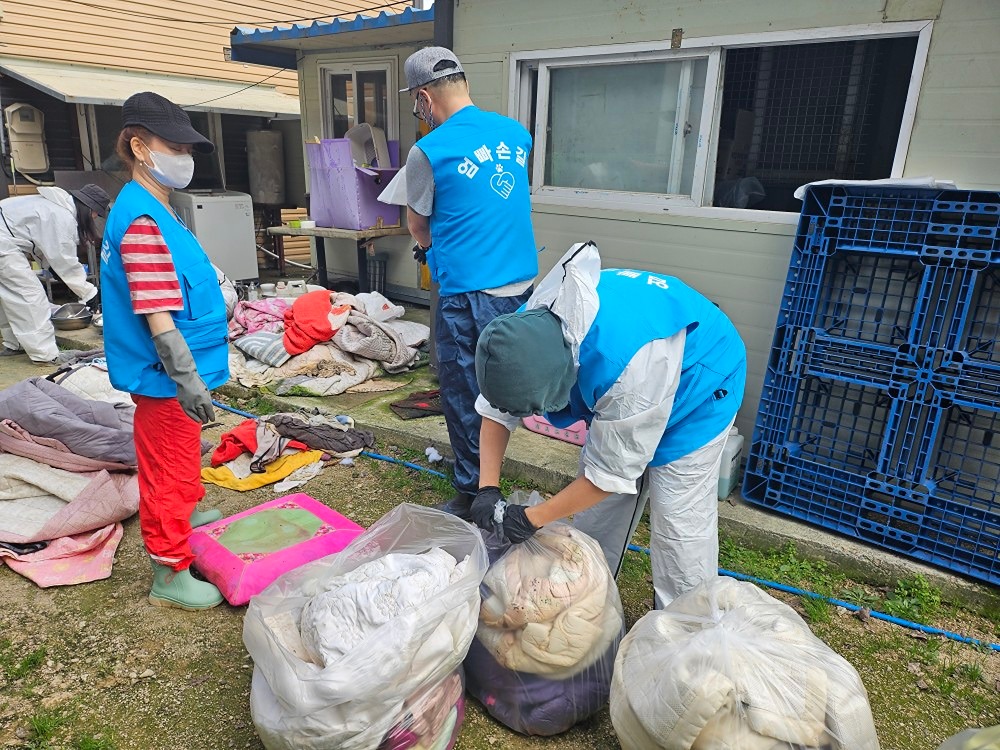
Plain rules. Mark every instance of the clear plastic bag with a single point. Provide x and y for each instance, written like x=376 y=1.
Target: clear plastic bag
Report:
x=728 y=667
x=370 y=644
x=432 y=718
x=549 y=628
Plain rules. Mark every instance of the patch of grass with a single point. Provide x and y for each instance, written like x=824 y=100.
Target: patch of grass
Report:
x=257 y=405
x=44 y=726
x=93 y=743
x=817 y=610
x=23 y=667
x=914 y=599
x=780 y=564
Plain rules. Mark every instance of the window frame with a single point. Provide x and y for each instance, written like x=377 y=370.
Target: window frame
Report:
x=519 y=98
x=353 y=67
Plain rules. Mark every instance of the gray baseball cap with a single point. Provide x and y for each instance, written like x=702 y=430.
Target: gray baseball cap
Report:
x=429 y=64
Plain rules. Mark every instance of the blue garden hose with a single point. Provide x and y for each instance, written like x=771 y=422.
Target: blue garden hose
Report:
x=730 y=573
x=369 y=454
x=846 y=605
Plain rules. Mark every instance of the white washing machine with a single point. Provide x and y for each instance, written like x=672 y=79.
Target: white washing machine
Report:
x=222 y=220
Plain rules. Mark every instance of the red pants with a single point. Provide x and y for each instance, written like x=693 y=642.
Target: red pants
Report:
x=168 y=449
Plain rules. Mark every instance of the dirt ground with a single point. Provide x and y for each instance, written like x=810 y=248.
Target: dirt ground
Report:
x=95 y=667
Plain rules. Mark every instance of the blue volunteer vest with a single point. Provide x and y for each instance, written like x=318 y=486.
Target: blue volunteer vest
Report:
x=481 y=223
x=637 y=307
x=133 y=364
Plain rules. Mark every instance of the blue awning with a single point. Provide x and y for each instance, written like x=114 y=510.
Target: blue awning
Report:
x=280 y=46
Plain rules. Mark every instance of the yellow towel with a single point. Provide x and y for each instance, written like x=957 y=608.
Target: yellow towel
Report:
x=275 y=471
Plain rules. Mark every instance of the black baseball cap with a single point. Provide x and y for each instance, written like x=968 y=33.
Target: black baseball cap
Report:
x=164 y=119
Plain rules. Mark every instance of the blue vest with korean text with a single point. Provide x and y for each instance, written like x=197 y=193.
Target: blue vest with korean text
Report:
x=481 y=231
x=637 y=307
x=133 y=364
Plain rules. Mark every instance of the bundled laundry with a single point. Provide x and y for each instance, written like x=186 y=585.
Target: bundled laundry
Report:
x=66 y=478
x=728 y=667
x=344 y=647
x=549 y=627
x=325 y=343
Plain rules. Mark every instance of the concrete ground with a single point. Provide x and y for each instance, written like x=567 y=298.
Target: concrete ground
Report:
x=550 y=464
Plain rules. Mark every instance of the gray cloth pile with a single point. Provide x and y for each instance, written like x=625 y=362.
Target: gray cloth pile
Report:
x=366 y=337
x=323 y=433
x=94 y=429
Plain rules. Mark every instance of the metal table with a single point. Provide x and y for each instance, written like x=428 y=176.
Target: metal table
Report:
x=363 y=238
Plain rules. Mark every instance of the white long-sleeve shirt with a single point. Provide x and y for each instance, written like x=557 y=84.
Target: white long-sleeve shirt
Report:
x=632 y=416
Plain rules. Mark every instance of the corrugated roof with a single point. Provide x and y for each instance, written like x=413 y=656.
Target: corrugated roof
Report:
x=88 y=84
x=276 y=46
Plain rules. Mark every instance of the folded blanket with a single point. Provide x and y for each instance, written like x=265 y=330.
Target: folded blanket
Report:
x=312 y=320
x=94 y=429
x=39 y=502
x=252 y=316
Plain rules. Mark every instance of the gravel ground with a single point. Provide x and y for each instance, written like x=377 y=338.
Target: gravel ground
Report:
x=94 y=667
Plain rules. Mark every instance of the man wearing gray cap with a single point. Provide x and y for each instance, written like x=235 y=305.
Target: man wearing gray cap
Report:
x=469 y=209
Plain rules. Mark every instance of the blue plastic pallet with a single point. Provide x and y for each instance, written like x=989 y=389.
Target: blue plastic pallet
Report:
x=880 y=412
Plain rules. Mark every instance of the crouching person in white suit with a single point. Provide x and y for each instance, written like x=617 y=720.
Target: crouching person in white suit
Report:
x=656 y=370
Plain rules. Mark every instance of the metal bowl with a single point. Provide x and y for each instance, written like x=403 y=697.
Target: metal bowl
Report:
x=72 y=317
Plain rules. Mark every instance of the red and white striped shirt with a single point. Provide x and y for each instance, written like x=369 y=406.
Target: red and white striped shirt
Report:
x=149 y=269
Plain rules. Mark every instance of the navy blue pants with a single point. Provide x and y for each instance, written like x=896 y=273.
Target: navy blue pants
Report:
x=460 y=319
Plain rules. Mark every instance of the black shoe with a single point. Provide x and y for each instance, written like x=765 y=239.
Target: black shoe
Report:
x=460 y=505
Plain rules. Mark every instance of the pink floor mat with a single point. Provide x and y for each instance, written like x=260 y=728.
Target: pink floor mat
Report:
x=245 y=553
x=576 y=433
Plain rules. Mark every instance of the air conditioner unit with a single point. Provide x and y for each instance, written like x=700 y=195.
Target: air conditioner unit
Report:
x=222 y=220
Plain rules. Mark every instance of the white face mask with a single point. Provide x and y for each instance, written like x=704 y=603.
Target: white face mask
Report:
x=171 y=170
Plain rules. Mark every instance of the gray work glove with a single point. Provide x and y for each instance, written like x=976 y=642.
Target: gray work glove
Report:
x=178 y=363
x=420 y=253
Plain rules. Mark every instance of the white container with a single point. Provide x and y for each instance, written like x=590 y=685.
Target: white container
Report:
x=729 y=464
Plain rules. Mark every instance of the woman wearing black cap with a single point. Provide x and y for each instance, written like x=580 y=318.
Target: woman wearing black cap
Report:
x=165 y=338
x=48 y=226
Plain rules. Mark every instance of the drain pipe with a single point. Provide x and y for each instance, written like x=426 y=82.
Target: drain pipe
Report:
x=846 y=605
x=368 y=454
x=444 y=23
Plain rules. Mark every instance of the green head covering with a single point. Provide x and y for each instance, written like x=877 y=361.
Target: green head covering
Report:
x=524 y=365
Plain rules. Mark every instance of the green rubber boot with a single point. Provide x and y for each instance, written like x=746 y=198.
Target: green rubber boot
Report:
x=182 y=590
x=201 y=517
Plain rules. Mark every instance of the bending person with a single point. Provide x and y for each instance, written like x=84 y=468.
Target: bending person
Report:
x=165 y=338
x=657 y=371
x=48 y=226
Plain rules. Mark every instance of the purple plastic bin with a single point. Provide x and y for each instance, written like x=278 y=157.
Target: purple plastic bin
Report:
x=344 y=196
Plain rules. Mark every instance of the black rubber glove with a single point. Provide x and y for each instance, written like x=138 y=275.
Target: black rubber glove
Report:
x=420 y=254
x=94 y=303
x=484 y=507
x=178 y=363
x=516 y=526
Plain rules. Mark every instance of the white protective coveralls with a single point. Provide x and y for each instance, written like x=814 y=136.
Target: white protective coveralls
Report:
x=628 y=422
x=43 y=225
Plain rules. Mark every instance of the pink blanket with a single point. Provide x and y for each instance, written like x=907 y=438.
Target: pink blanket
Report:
x=79 y=558
x=258 y=315
x=111 y=495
